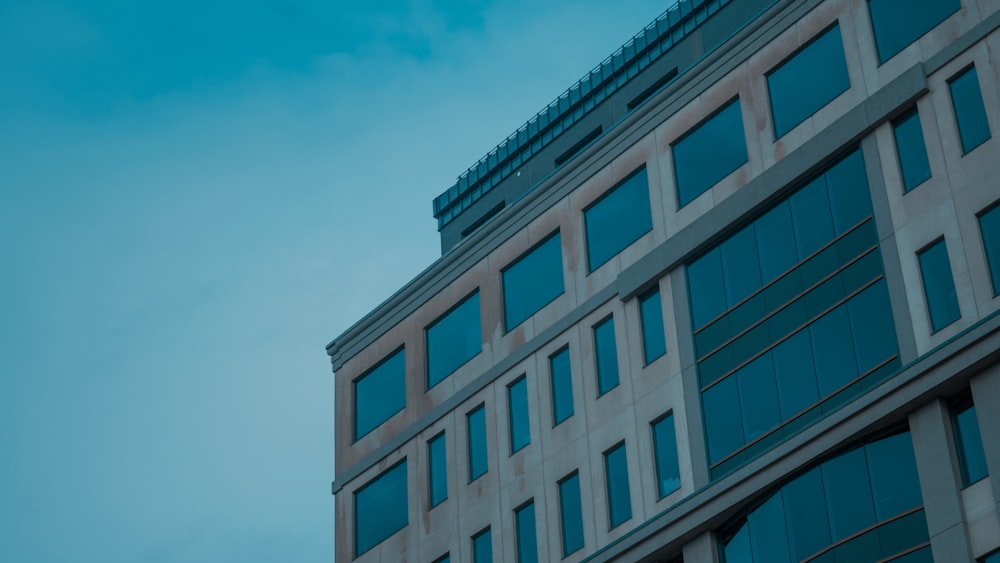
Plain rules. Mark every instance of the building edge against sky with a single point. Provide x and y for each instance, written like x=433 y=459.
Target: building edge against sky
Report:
x=732 y=297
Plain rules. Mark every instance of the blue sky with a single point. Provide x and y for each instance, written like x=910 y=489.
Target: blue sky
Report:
x=195 y=197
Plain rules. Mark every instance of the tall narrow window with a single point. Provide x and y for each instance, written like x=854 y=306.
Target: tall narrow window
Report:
x=533 y=281
x=453 y=339
x=562 y=386
x=912 y=152
x=712 y=150
x=482 y=547
x=668 y=471
x=380 y=508
x=607 y=234
x=517 y=407
x=379 y=394
x=968 y=441
x=654 y=341
x=939 y=285
x=571 y=513
x=989 y=225
x=437 y=468
x=619 y=497
x=478 y=455
x=524 y=524
x=897 y=23
x=970 y=112
x=606 y=352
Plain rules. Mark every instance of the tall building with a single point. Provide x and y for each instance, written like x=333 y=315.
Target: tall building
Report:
x=732 y=297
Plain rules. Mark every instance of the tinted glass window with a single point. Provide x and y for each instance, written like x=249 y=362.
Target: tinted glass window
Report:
x=968 y=442
x=795 y=374
x=533 y=281
x=709 y=152
x=758 y=397
x=562 y=386
x=380 y=508
x=619 y=500
x=608 y=231
x=768 y=534
x=995 y=558
x=668 y=472
x=848 y=494
x=850 y=200
x=708 y=296
x=737 y=549
x=910 y=149
x=654 y=341
x=607 y=356
x=453 y=340
x=775 y=242
x=740 y=268
x=571 y=514
x=379 y=394
x=872 y=327
x=527 y=543
x=989 y=225
x=723 y=421
x=833 y=350
x=478 y=456
x=808 y=81
x=810 y=207
x=438 y=469
x=939 y=285
x=517 y=404
x=482 y=547
x=443 y=559
x=970 y=113
x=893 y=470
x=806 y=514
x=897 y=23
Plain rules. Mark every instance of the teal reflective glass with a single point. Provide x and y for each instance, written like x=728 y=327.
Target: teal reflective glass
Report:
x=380 y=508
x=668 y=472
x=850 y=199
x=995 y=558
x=706 y=288
x=654 y=341
x=809 y=80
x=970 y=112
x=795 y=374
x=806 y=515
x=437 y=468
x=893 y=470
x=737 y=549
x=848 y=494
x=723 y=421
x=482 y=547
x=562 y=386
x=571 y=514
x=872 y=327
x=443 y=559
x=810 y=207
x=911 y=150
x=768 y=532
x=775 y=242
x=379 y=394
x=606 y=352
x=897 y=23
x=617 y=220
x=478 y=453
x=833 y=350
x=453 y=340
x=709 y=152
x=758 y=397
x=517 y=405
x=939 y=285
x=527 y=542
x=989 y=226
x=969 y=443
x=619 y=497
x=740 y=269
x=533 y=281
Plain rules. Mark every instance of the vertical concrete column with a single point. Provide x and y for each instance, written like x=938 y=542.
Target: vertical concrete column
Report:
x=689 y=378
x=940 y=482
x=703 y=549
x=986 y=396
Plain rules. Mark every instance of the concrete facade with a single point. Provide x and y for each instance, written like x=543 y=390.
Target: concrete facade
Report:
x=963 y=523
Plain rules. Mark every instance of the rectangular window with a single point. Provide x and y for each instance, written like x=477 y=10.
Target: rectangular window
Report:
x=968 y=441
x=606 y=352
x=910 y=148
x=654 y=341
x=619 y=498
x=478 y=455
x=482 y=547
x=380 y=508
x=446 y=558
x=712 y=150
x=668 y=471
x=939 y=285
x=517 y=408
x=989 y=226
x=562 y=386
x=524 y=524
x=571 y=512
x=809 y=80
x=453 y=339
x=970 y=112
x=379 y=394
x=897 y=23
x=533 y=281
x=607 y=234
x=437 y=469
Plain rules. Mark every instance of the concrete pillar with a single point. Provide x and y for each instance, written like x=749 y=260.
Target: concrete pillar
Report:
x=689 y=379
x=986 y=396
x=703 y=549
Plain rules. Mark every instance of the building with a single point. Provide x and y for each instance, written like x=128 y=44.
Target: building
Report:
x=732 y=297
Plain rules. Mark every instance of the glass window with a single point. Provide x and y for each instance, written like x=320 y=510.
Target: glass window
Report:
x=723 y=421
x=970 y=112
x=968 y=441
x=775 y=242
x=478 y=455
x=379 y=394
x=893 y=470
x=994 y=558
x=527 y=543
x=482 y=547
x=809 y=80
x=833 y=350
x=571 y=512
x=619 y=499
x=939 y=285
x=768 y=533
x=562 y=386
x=810 y=207
x=795 y=374
x=709 y=152
x=897 y=23
x=806 y=514
x=654 y=341
x=606 y=352
x=380 y=508
x=758 y=397
x=532 y=281
x=453 y=339
x=848 y=494
x=607 y=234
x=910 y=149
x=989 y=225
x=668 y=471
x=437 y=468
x=517 y=405
x=708 y=294
x=872 y=327
x=740 y=266
x=446 y=558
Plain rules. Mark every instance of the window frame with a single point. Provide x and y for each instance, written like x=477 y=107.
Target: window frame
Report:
x=734 y=101
x=912 y=113
x=557 y=233
x=923 y=282
x=640 y=301
x=619 y=446
x=481 y=407
x=656 y=453
x=565 y=349
x=401 y=349
x=354 y=497
x=427 y=340
x=962 y=73
x=431 y=466
x=591 y=266
x=601 y=390
x=520 y=380
x=994 y=281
